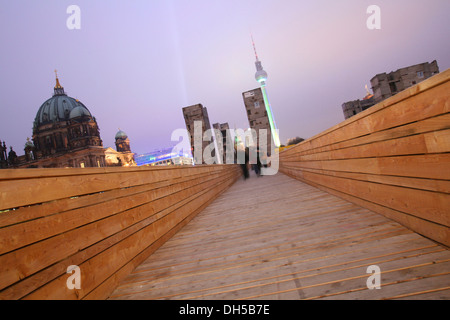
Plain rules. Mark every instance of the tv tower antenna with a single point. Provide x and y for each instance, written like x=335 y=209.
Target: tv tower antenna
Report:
x=261 y=77
x=254 y=48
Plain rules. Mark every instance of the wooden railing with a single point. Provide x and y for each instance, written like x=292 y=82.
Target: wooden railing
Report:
x=393 y=158
x=105 y=221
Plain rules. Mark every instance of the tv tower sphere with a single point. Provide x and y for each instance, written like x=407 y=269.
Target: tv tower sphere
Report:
x=261 y=76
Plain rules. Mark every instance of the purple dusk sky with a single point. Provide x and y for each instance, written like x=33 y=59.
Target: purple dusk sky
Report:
x=136 y=64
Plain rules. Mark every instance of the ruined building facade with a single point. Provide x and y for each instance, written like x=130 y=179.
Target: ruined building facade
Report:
x=192 y=114
x=385 y=85
x=258 y=118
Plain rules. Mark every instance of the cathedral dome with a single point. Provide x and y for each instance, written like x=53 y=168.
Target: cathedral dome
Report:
x=121 y=135
x=59 y=108
x=65 y=134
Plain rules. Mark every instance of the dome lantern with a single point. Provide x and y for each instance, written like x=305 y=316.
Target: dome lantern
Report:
x=121 y=135
x=58 y=90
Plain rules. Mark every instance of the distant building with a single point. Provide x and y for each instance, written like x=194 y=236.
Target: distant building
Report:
x=385 y=85
x=294 y=141
x=223 y=139
x=66 y=135
x=192 y=114
x=3 y=155
x=122 y=156
x=164 y=157
x=351 y=108
x=257 y=115
x=122 y=142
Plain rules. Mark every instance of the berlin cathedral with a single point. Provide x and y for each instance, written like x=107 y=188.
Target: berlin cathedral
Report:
x=66 y=135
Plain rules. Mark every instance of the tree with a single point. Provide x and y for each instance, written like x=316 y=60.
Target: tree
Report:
x=295 y=140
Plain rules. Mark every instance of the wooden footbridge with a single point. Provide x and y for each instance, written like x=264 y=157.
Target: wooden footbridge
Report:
x=371 y=192
x=274 y=237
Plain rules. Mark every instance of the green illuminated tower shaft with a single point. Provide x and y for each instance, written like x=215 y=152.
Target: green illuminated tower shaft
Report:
x=261 y=77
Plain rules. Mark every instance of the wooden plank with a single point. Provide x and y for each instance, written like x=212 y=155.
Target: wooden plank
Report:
x=23 y=262
x=27 y=213
x=440 y=122
x=431 y=294
x=410 y=111
x=114 y=258
x=411 y=145
x=237 y=262
x=442 y=186
x=43 y=189
x=429 y=278
x=22 y=234
x=427 y=228
x=211 y=260
x=29 y=284
x=14 y=174
x=438 y=141
x=432 y=206
x=196 y=284
x=429 y=104
x=104 y=290
x=429 y=166
x=310 y=243
x=428 y=99
x=312 y=282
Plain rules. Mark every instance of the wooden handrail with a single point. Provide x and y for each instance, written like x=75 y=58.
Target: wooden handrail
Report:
x=393 y=158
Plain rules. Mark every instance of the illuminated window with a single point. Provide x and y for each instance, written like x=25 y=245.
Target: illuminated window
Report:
x=82 y=164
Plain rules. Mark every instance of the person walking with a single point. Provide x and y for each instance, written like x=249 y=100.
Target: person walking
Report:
x=258 y=163
x=244 y=165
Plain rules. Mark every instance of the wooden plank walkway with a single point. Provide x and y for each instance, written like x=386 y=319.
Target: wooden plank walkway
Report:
x=274 y=237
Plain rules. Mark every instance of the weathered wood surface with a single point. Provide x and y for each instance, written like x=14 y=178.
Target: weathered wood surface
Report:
x=393 y=158
x=274 y=237
x=106 y=221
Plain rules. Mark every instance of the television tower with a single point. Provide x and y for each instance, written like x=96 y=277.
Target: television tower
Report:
x=261 y=77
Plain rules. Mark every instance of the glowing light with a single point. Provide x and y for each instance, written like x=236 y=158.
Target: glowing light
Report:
x=273 y=126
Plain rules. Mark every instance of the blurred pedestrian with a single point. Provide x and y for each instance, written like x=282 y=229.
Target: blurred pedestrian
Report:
x=244 y=165
x=258 y=163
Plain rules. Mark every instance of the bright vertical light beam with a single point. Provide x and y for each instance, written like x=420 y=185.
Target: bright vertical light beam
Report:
x=273 y=126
